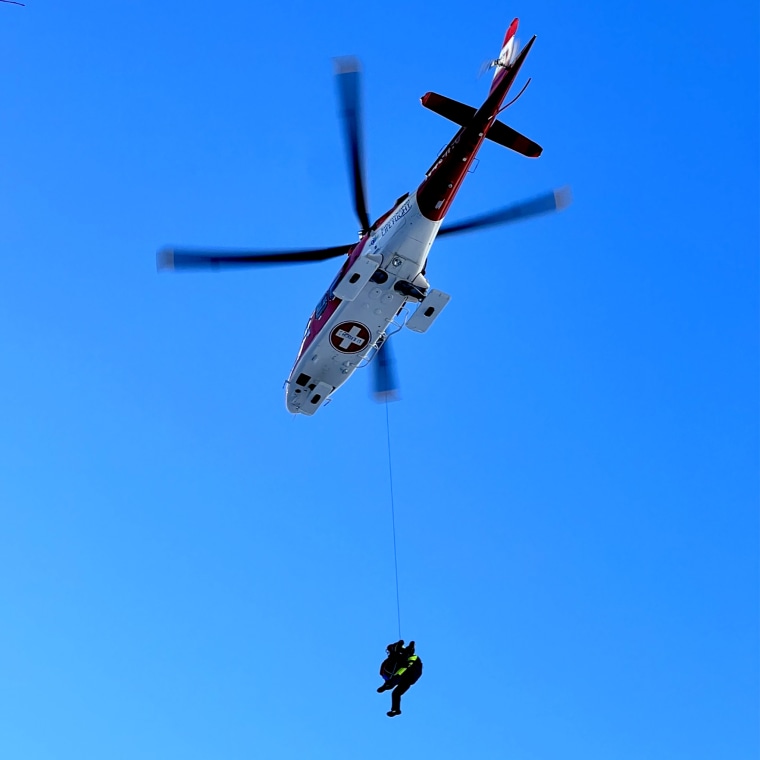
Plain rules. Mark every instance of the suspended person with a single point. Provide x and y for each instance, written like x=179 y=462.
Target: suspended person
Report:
x=399 y=670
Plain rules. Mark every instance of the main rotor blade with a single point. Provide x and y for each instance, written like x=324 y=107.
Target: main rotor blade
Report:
x=384 y=381
x=189 y=258
x=348 y=72
x=554 y=201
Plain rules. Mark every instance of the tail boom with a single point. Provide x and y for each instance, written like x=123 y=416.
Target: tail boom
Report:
x=445 y=176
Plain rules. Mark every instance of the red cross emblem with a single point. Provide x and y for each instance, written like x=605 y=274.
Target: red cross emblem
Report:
x=349 y=337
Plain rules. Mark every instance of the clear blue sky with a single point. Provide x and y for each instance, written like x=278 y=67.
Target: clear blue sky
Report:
x=188 y=572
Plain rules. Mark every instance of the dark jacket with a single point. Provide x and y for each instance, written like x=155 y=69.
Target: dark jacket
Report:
x=400 y=660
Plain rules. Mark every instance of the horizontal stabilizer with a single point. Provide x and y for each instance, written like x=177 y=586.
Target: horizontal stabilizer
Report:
x=453 y=110
x=510 y=138
x=461 y=113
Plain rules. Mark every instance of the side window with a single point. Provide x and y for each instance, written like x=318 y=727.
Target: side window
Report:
x=321 y=306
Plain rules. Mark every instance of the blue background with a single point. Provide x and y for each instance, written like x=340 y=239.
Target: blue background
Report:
x=187 y=571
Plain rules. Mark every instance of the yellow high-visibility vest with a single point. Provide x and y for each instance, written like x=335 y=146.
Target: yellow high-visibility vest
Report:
x=410 y=661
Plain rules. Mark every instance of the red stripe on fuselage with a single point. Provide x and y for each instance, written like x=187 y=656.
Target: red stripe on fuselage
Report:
x=315 y=323
x=438 y=189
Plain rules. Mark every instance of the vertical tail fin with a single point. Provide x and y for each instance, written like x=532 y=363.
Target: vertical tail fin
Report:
x=507 y=55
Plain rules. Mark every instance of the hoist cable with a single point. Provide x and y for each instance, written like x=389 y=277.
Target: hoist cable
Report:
x=393 y=512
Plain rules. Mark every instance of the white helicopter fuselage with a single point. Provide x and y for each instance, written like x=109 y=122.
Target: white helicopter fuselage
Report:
x=364 y=303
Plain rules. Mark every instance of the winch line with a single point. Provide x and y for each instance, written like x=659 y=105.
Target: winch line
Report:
x=393 y=512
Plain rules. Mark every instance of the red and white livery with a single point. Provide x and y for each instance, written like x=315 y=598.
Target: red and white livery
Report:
x=382 y=285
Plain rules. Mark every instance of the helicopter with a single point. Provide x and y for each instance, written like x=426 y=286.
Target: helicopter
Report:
x=383 y=275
